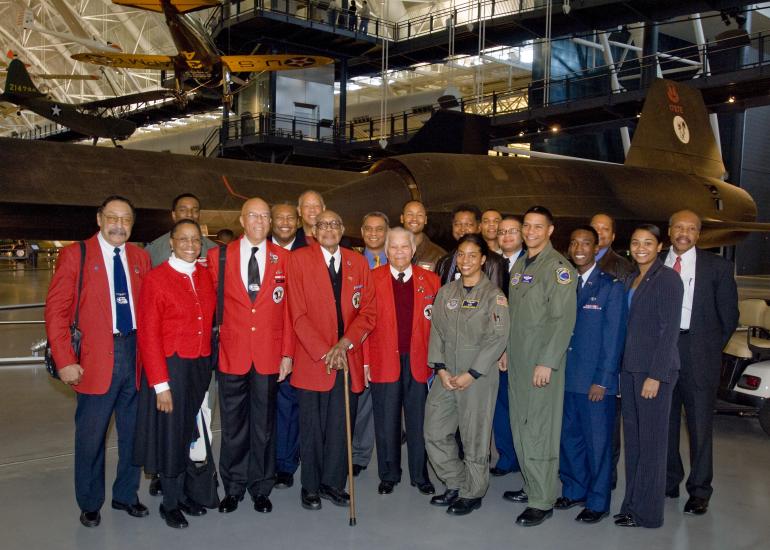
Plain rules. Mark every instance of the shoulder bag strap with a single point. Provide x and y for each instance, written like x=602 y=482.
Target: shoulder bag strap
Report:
x=80 y=282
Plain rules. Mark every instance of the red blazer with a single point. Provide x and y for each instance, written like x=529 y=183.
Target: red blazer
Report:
x=256 y=334
x=381 y=351
x=96 y=351
x=313 y=315
x=174 y=318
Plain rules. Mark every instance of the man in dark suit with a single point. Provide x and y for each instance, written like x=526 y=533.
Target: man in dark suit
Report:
x=333 y=308
x=466 y=218
x=255 y=354
x=607 y=259
x=593 y=361
x=105 y=375
x=284 y=234
x=511 y=245
x=709 y=317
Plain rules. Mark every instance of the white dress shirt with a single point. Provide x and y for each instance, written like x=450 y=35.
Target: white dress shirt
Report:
x=108 y=253
x=687 y=274
x=586 y=275
x=337 y=258
x=287 y=247
x=246 y=247
x=407 y=273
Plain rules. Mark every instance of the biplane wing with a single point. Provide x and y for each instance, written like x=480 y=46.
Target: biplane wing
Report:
x=128 y=60
x=182 y=6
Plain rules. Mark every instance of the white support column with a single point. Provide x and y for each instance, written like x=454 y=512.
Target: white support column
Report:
x=700 y=40
x=609 y=61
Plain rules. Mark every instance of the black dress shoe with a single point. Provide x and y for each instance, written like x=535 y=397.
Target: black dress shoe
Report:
x=464 y=506
x=192 y=508
x=498 y=472
x=262 y=504
x=626 y=521
x=564 y=503
x=229 y=504
x=446 y=499
x=90 y=519
x=386 y=487
x=619 y=515
x=338 y=497
x=696 y=506
x=310 y=501
x=426 y=487
x=533 y=516
x=137 y=510
x=357 y=469
x=283 y=480
x=673 y=493
x=516 y=496
x=590 y=516
x=155 y=486
x=174 y=518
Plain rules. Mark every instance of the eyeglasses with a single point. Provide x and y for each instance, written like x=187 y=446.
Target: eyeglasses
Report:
x=322 y=226
x=186 y=240
x=123 y=220
x=261 y=216
x=508 y=231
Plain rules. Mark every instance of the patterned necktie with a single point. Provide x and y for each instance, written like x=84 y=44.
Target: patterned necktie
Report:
x=678 y=264
x=401 y=278
x=377 y=261
x=123 y=321
x=253 y=274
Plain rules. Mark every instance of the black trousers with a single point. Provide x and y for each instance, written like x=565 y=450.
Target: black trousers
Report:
x=388 y=399
x=173 y=490
x=247 y=455
x=698 y=402
x=645 y=427
x=322 y=442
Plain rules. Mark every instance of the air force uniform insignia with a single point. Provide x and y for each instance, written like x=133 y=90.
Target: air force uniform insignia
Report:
x=563 y=276
x=428 y=312
x=278 y=294
x=356 y=300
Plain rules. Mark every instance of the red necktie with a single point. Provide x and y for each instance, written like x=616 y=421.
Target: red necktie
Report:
x=678 y=264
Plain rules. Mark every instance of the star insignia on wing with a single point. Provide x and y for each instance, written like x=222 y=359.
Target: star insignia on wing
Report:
x=56 y=110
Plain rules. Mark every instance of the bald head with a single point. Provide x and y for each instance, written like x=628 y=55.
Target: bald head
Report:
x=255 y=220
x=684 y=230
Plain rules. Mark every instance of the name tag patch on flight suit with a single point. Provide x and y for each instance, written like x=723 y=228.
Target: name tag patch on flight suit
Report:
x=563 y=276
x=453 y=303
x=527 y=279
x=278 y=294
x=428 y=311
x=356 y=300
x=470 y=304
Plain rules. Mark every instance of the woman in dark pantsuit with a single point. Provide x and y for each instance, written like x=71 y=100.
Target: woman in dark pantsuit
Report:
x=648 y=375
x=175 y=314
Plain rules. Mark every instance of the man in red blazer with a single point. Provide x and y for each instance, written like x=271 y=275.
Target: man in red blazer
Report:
x=396 y=360
x=255 y=353
x=105 y=377
x=332 y=306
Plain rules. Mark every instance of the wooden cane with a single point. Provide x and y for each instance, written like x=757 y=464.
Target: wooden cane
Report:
x=349 y=441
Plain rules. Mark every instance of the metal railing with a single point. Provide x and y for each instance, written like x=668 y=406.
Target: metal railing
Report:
x=680 y=64
x=38 y=346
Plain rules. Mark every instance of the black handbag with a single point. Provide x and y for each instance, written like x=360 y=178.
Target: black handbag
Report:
x=75 y=334
x=200 y=481
x=220 y=307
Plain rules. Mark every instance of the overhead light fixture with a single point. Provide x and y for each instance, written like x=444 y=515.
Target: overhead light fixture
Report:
x=731 y=99
x=555 y=128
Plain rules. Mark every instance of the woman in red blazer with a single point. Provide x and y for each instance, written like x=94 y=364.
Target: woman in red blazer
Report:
x=176 y=309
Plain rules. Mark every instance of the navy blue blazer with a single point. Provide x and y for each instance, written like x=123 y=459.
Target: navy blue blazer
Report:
x=593 y=356
x=652 y=336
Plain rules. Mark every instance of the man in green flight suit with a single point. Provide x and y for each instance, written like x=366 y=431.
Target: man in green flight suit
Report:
x=542 y=304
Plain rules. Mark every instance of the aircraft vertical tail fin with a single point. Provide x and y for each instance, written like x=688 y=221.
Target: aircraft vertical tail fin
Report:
x=18 y=82
x=674 y=132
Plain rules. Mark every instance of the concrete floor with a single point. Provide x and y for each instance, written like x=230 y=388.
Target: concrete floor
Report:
x=38 y=508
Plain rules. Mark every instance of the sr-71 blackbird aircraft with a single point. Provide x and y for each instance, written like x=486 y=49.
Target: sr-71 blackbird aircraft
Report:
x=89 y=118
x=673 y=163
x=198 y=56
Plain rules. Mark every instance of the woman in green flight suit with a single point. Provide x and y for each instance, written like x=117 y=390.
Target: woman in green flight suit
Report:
x=468 y=335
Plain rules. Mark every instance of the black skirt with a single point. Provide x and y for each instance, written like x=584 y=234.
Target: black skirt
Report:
x=162 y=441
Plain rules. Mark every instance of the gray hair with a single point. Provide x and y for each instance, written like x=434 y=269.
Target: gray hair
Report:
x=393 y=231
x=375 y=214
